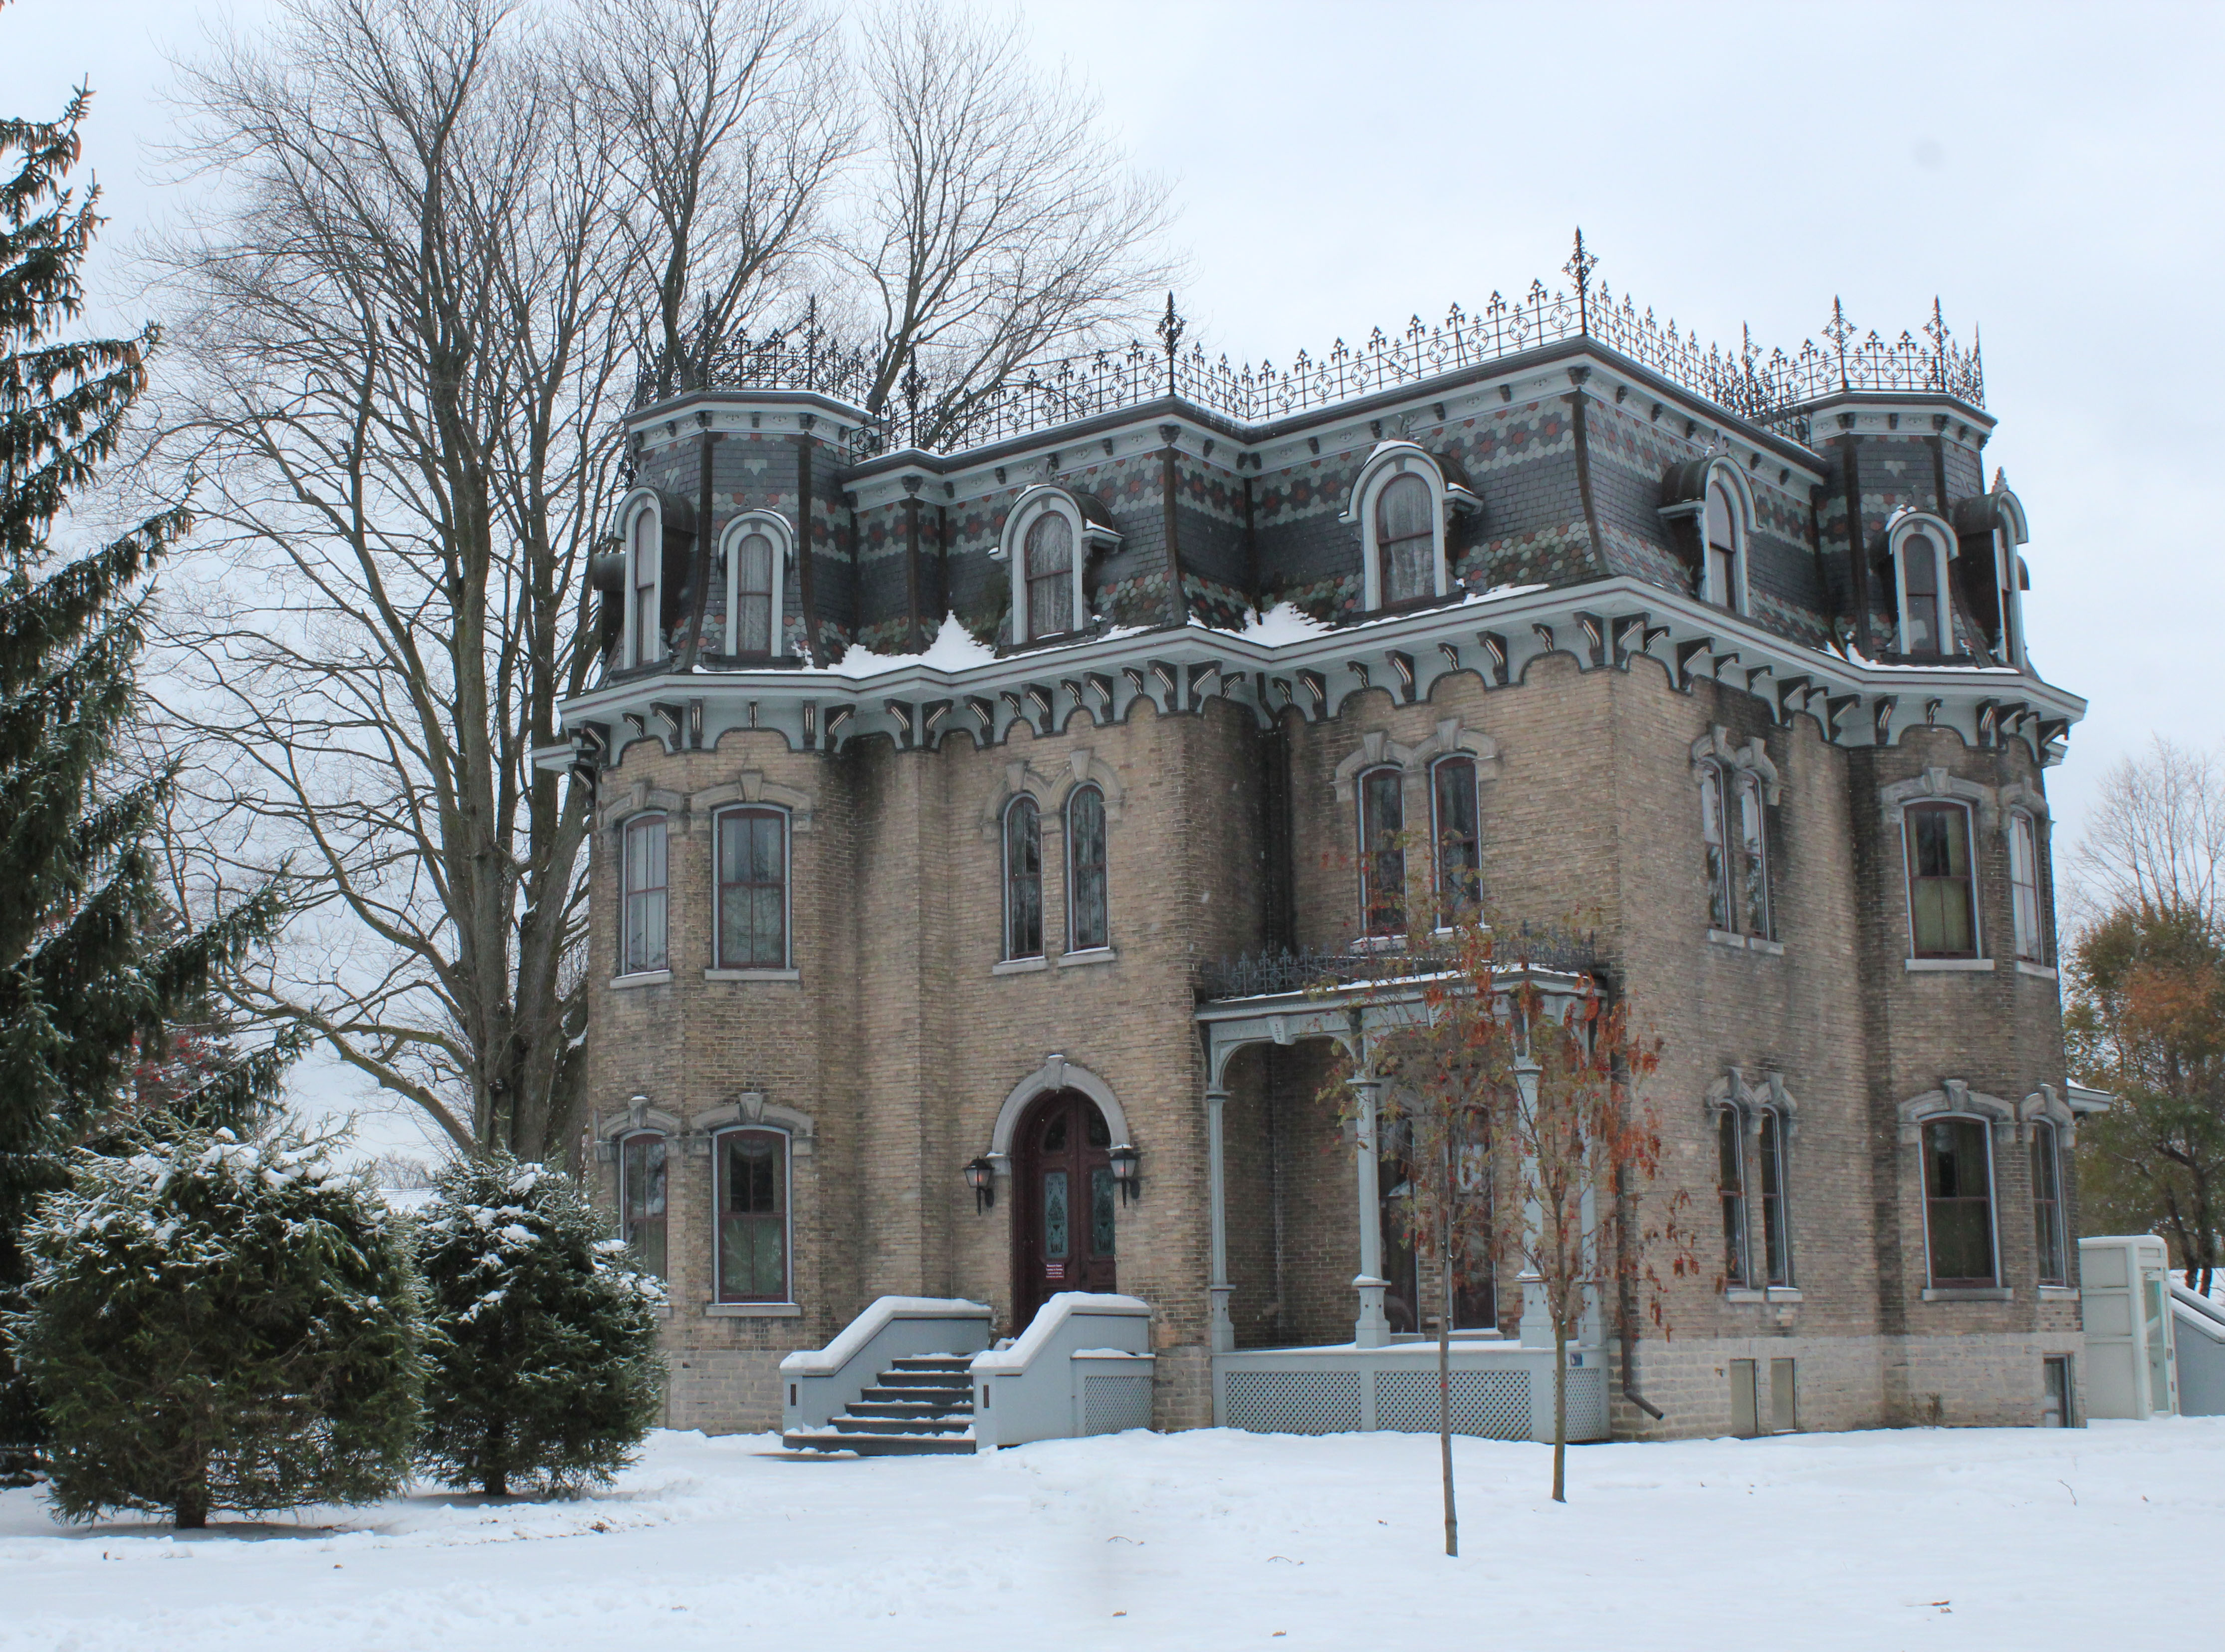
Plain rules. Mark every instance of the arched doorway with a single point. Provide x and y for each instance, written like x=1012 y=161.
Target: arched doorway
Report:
x=1062 y=1203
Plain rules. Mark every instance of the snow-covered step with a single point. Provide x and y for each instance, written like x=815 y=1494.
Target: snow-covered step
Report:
x=922 y=1404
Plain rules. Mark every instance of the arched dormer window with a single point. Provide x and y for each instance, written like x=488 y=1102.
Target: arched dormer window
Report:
x=1709 y=507
x=643 y=640
x=1402 y=501
x=1047 y=541
x=1921 y=546
x=754 y=553
x=1990 y=570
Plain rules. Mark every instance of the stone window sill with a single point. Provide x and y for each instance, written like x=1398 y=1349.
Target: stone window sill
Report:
x=1093 y=955
x=2040 y=972
x=1774 y=1293
x=1971 y=1293
x=1019 y=966
x=642 y=977
x=1747 y=943
x=1945 y=965
x=2058 y=1292
x=753 y=975
x=751 y=1311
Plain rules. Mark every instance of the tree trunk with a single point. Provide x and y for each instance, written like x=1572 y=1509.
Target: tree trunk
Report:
x=1560 y=1412
x=1445 y=1378
x=495 y=1481
x=192 y=1512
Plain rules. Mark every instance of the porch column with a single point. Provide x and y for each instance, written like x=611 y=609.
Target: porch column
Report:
x=1372 y=1329
x=1537 y=1328
x=1224 y=1329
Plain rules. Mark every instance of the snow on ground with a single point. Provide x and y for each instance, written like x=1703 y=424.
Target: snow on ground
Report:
x=1977 y=1538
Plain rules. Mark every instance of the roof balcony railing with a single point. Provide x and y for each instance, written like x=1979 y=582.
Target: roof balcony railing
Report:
x=919 y=409
x=1563 y=951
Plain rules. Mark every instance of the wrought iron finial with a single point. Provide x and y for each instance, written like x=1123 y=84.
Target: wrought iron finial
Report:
x=1838 y=330
x=1579 y=269
x=1170 y=329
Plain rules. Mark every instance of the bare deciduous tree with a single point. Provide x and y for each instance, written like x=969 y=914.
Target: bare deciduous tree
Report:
x=2156 y=842
x=447 y=233
x=994 y=223
x=402 y=339
x=726 y=122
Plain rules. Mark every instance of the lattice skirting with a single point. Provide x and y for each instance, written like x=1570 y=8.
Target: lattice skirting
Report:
x=1112 y=1404
x=1490 y=1404
x=1294 y=1403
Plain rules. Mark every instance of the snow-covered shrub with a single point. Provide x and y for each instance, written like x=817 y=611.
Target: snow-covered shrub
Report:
x=541 y=1332
x=220 y=1323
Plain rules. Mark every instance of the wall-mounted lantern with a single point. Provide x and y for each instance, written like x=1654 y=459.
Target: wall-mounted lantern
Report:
x=981 y=1177
x=1127 y=1170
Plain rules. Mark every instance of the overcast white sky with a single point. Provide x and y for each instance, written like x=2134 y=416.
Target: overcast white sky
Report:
x=2051 y=173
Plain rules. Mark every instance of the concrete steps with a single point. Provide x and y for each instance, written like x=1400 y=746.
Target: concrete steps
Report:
x=923 y=1406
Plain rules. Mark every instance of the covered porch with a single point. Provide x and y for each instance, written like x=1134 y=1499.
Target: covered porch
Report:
x=1324 y=1320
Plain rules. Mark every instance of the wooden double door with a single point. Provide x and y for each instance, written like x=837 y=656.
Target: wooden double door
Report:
x=1062 y=1227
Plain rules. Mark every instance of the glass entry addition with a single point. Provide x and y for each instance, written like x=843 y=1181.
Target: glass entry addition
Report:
x=1062 y=1214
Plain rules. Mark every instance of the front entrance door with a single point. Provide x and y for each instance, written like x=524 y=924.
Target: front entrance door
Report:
x=1062 y=1208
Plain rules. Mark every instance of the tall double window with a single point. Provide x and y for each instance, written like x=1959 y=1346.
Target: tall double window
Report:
x=1958 y=1201
x=2027 y=908
x=1743 y=1202
x=1730 y=1186
x=2047 y=1206
x=753 y=892
x=1942 y=901
x=1457 y=839
x=1383 y=851
x=641 y=1199
x=1088 y=921
x=642 y=896
x=1023 y=879
x=1734 y=839
x=753 y=1227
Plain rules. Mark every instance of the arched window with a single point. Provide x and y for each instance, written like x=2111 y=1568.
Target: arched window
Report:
x=644 y=642
x=1942 y=908
x=752 y=888
x=1776 y=1237
x=642 y=894
x=1723 y=533
x=1049 y=559
x=2025 y=907
x=1752 y=857
x=1716 y=844
x=1730 y=1181
x=1023 y=879
x=1958 y=1201
x=752 y=622
x=2047 y=1206
x=1457 y=838
x=1406 y=541
x=1087 y=921
x=1383 y=851
x=753 y=1235
x=641 y=1199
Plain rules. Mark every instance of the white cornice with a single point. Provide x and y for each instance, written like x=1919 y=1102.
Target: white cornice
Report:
x=1610 y=625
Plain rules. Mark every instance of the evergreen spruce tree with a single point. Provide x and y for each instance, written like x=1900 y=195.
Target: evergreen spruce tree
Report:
x=541 y=1332
x=94 y=969
x=220 y=1323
